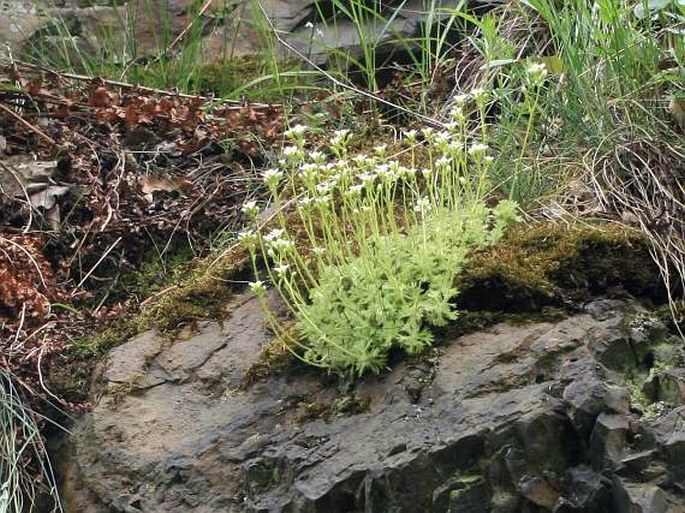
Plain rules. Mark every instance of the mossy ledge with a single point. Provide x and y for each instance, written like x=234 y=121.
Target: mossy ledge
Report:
x=537 y=272
x=559 y=265
x=203 y=295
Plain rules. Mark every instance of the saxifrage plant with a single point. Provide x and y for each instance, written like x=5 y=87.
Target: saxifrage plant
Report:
x=364 y=250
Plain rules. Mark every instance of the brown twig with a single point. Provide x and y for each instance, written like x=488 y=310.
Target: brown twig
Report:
x=92 y=269
x=236 y=104
x=28 y=125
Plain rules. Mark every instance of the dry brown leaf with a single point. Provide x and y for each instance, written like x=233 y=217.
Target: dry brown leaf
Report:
x=151 y=184
x=100 y=97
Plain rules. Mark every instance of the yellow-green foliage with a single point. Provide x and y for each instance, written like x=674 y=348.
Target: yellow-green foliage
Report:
x=546 y=263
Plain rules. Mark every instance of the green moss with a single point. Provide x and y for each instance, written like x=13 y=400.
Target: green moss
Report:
x=552 y=264
x=71 y=379
x=155 y=273
x=203 y=295
x=275 y=357
x=97 y=345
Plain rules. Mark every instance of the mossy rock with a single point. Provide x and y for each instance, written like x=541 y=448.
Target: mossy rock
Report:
x=547 y=264
x=203 y=295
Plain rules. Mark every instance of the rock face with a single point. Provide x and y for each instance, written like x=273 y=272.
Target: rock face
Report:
x=71 y=31
x=532 y=418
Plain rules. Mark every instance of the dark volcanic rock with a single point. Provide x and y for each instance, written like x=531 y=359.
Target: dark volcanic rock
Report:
x=529 y=418
x=608 y=440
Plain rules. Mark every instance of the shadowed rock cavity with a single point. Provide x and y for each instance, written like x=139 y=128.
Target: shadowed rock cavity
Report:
x=534 y=418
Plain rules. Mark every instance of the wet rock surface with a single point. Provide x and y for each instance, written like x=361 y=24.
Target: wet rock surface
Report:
x=528 y=418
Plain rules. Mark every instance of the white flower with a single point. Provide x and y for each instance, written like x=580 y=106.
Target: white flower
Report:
x=423 y=206
x=324 y=187
x=272 y=177
x=258 y=288
x=410 y=136
x=478 y=150
x=481 y=95
x=309 y=24
x=443 y=162
x=363 y=160
x=296 y=132
x=274 y=234
x=318 y=250
x=317 y=157
x=367 y=178
x=246 y=234
x=355 y=190
x=457 y=114
x=408 y=171
x=305 y=202
x=340 y=138
x=455 y=147
x=537 y=72
x=281 y=269
x=443 y=139
x=460 y=100
x=426 y=172
x=248 y=238
x=292 y=152
x=308 y=172
x=428 y=133
x=382 y=170
x=250 y=209
x=323 y=201
x=278 y=247
x=380 y=149
x=452 y=127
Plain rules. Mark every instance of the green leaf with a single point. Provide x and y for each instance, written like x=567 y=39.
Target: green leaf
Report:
x=553 y=64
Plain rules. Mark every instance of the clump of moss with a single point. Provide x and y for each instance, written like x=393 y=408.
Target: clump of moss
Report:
x=154 y=273
x=275 y=356
x=71 y=379
x=549 y=264
x=203 y=295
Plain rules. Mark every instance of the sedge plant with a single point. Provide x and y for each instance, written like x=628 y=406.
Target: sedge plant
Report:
x=611 y=55
x=614 y=66
x=24 y=467
x=364 y=249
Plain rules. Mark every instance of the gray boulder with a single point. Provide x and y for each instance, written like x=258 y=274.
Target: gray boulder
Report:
x=515 y=419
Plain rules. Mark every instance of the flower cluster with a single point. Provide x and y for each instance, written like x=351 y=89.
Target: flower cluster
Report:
x=366 y=246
